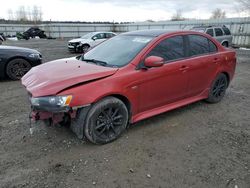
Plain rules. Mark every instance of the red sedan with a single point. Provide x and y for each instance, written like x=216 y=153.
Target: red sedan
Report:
x=128 y=78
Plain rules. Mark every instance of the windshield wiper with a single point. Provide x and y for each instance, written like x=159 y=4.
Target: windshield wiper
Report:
x=103 y=63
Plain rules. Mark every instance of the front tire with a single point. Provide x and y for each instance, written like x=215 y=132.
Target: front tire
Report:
x=106 y=121
x=218 y=89
x=17 y=68
x=85 y=48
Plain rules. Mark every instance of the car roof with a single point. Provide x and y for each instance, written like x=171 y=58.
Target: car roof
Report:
x=97 y=32
x=152 y=32
x=18 y=49
x=209 y=26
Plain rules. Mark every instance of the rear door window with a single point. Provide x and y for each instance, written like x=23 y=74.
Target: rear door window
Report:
x=218 y=32
x=212 y=47
x=109 y=35
x=100 y=36
x=170 y=49
x=226 y=31
x=210 y=32
x=198 y=45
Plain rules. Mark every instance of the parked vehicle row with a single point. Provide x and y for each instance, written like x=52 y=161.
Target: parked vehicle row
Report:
x=128 y=78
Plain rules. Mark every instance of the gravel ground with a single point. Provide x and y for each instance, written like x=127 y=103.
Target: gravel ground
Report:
x=200 y=145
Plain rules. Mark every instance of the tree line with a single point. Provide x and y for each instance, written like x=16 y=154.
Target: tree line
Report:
x=34 y=14
x=24 y=14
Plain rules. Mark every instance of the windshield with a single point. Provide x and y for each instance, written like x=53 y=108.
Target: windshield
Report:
x=87 y=36
x=118 y=51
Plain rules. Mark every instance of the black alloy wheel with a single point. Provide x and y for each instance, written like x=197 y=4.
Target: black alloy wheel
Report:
x=85 y=48
x=218 y=89
x=106 y=121
x=17 y=68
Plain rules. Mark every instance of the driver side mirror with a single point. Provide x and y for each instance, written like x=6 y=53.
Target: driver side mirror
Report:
x=94 y=38
x=153 y=61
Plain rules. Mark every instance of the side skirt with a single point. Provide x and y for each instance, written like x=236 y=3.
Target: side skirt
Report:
x=168 y=107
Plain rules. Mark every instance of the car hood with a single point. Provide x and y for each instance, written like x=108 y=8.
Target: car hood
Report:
x=78 y=40
x=18 y=49
x=52 y=77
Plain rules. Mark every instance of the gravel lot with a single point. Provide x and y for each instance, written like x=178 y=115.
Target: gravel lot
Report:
x=200 y=145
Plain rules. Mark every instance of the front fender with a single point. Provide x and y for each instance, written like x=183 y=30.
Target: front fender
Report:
x=93 y=92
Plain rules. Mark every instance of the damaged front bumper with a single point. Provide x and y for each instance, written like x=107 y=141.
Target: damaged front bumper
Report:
x=74 y=118
x=56 y=110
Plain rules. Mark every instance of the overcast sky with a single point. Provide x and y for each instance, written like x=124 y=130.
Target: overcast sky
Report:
x=122 y=10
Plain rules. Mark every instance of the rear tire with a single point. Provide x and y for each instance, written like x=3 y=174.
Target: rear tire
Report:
x=218 y=89
x=17 y=68
x=106 y=121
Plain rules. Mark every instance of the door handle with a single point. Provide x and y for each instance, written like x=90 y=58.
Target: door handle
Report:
x=184 y=67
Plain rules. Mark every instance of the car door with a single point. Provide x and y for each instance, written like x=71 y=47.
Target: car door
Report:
x=219 y=34
x=203 y=63
x=168 y=83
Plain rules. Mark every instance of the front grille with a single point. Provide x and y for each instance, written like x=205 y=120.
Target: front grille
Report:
x=73 y=43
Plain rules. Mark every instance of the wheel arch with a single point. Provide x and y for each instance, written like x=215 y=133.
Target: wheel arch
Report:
x=124 y=99
x=225 y=41
x=87 y=44
x=228 y=77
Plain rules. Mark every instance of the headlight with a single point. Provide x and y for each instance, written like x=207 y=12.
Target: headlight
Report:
x=51 y=103
x=35 y=56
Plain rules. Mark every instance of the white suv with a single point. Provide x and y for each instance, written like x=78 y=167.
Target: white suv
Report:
x=221 y=33
x=89 y=40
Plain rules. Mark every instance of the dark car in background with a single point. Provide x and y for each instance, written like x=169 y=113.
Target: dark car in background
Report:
x=220 y=33
x=15 y=62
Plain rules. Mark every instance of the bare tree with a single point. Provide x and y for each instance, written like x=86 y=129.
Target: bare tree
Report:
x=218 y=14
x=245 y=6
x=10 y=14
x=21 y=14
x=29 y=14
x=177 y=16
x=26 y=14
x=36 y=14
x=40 y=14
